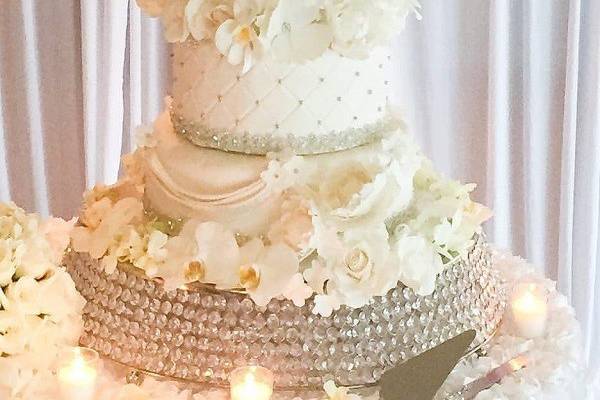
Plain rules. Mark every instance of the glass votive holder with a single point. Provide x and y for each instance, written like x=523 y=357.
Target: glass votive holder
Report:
x=529 y=309
x=77 y=373
x=251 y=383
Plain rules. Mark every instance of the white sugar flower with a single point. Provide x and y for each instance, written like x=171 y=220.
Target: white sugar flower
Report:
x=297 y=290
x=358 y=261
x=365 y=188
x=443 y=212
x=325 y=305
x=116 y=217
x=148 y=252
x=238 y=37
x=268 y=276
x=418 y=262
x=295 y=33
x=317 y=275
x=294 y=227
x=179 y=267
x=173 y=19
x=93 y=214
x=154 y=8
x=360 y=25
x=203 y=17
x=456 y=234
x=219 y=253
x=286 y=170
x=365 y=268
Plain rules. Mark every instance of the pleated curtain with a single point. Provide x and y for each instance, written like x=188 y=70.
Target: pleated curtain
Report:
x=502 y=93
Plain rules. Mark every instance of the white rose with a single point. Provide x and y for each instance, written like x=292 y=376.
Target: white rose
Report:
x=360 y=264
x=362 y=188
x=418 y=262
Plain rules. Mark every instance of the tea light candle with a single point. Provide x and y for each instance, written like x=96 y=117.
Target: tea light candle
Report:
x=77 y=373
x=529 y=307
x=251 y=383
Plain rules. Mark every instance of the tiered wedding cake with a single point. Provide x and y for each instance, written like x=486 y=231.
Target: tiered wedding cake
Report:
x=278 y=213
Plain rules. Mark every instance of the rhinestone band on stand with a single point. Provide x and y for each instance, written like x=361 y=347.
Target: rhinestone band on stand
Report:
x=200 y=334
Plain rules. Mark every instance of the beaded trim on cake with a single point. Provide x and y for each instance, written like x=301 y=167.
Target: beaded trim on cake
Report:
x=200 y=334
x=247 y=143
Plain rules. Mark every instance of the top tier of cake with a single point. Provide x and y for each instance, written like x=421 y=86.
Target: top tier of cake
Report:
x=327 y=104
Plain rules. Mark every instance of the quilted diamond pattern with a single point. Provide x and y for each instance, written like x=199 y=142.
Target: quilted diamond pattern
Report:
x=332 y=93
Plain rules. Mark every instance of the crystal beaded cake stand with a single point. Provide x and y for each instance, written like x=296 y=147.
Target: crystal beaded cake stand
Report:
x=200 y=334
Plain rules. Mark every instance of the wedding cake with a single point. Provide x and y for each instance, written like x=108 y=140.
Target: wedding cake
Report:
x=278 y=212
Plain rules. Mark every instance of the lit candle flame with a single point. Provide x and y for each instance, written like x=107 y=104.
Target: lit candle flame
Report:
x=252 y=384
x=530 y=311
x=77 y=375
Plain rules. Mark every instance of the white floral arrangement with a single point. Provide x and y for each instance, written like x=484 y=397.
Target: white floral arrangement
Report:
x=292 y=30
x=351 y=226
x=40 y=309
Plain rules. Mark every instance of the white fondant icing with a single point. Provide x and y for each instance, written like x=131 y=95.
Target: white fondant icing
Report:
x=183 y=180
x=330 y=93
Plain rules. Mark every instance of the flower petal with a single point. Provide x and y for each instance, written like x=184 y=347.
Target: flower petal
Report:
x=224 y=36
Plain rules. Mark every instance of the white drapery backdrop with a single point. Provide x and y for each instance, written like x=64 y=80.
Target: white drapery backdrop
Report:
x=502 y=93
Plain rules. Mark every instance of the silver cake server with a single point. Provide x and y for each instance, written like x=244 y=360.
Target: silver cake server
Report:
x=421 y=377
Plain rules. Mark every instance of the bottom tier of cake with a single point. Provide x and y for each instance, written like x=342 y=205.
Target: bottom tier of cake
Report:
x=199 y=334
